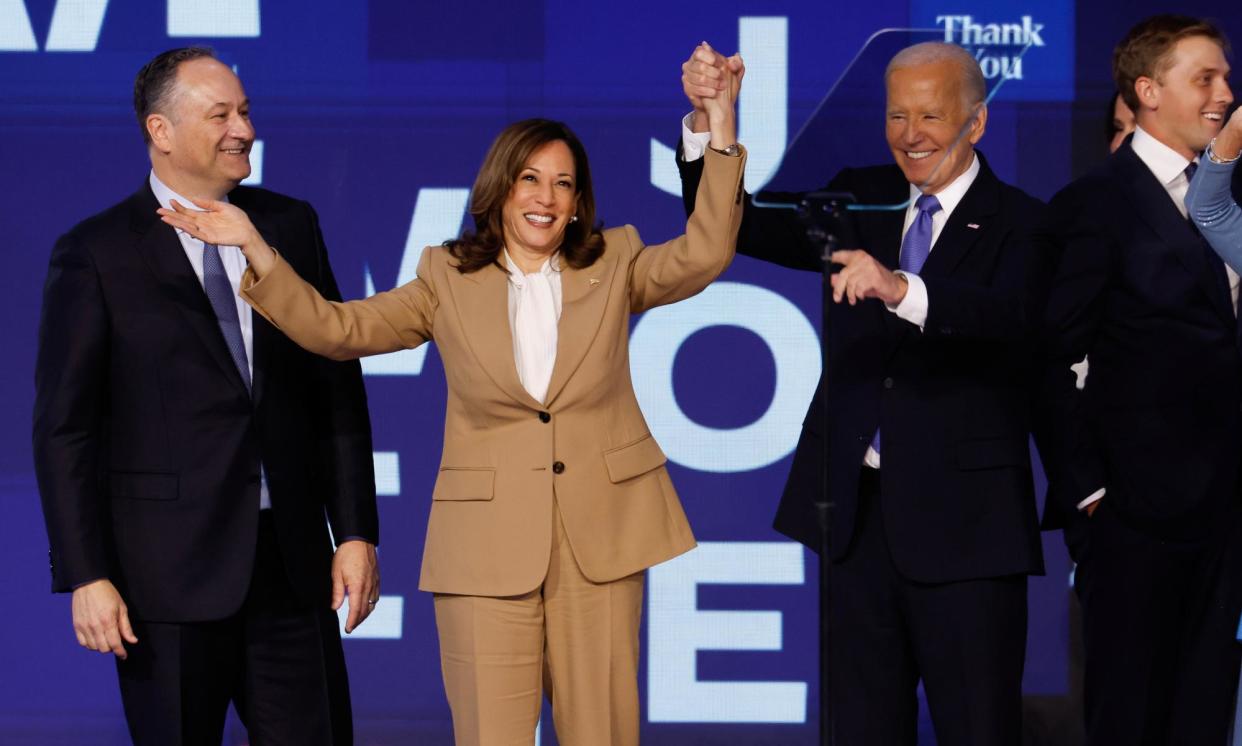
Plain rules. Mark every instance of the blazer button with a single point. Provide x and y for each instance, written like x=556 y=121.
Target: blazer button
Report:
x=545 y=417
x=558 y=468
x=888 y=382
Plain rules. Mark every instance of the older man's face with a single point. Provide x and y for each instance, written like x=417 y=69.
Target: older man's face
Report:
x=926 y=118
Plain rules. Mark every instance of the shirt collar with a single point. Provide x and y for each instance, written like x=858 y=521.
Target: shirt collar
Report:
x=955 y=191
x=165 y=195
x=1164 y=162
x=553 y=264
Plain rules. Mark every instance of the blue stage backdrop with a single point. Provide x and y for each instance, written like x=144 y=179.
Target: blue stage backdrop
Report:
x=379 y=114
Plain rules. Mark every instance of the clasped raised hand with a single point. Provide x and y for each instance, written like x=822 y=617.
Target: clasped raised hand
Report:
x=712 y=83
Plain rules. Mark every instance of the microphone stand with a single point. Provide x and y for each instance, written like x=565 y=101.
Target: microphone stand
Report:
x=824 y=215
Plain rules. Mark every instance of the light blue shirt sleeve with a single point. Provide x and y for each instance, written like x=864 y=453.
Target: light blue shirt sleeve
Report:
x=1214 y=211
x=1219 y=218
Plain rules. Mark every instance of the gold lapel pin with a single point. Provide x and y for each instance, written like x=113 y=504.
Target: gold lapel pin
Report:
x=593 y=282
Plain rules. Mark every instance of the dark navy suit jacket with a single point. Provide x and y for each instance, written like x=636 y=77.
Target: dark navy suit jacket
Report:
x=147 y=444
x=952 y=400
x=1141 y=293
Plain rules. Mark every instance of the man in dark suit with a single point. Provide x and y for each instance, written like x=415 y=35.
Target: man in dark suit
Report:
x=187 y=452
x=1143 y=456
x=926 y=421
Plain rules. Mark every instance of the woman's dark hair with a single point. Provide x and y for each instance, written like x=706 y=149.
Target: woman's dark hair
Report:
x=583 y=243
x=1110 y=118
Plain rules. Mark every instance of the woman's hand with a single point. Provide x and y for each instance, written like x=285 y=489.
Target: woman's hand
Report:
x=222 y=224
x=1229 y=141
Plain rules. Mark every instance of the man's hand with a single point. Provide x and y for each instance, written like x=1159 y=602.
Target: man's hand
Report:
x=706 y=74
x=101 y=619
x=355 y=572
x=1229 y=141
x=861 y=277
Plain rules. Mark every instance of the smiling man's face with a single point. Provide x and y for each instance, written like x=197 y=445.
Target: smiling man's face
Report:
x=208 y=131
x=930 y=127
x=1184 y=107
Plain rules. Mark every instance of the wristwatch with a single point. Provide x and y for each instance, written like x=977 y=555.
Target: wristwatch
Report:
x=732 y=150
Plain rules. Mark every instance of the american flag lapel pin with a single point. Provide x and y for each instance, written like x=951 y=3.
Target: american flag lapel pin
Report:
x=973 y=226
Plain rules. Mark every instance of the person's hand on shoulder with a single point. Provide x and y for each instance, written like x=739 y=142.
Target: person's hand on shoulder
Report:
x=222 y=224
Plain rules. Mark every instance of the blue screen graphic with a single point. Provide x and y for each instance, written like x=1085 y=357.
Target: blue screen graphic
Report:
x=379 y=114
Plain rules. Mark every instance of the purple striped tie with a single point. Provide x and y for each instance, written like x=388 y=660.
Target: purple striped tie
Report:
x=220 y=294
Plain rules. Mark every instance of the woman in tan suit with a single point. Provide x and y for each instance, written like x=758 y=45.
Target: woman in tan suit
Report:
x=552 y=497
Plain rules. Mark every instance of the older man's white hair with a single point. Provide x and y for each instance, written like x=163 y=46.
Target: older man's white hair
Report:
x=974 y=88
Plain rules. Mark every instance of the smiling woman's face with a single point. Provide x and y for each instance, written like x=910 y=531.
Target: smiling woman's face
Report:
x=542 y=200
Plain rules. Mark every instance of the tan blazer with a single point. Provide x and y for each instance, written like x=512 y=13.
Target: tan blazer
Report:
x=506 y=456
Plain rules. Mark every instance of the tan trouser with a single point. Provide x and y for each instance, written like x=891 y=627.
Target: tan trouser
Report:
x=574 y=638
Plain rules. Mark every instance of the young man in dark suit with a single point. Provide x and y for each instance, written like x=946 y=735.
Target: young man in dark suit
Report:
x=1143 y=457
x=935 y=528
x=188 y=453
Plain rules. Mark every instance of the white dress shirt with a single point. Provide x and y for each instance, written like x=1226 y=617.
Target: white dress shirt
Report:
x=234 y=266
x=1169 y=168
x=534 y=316
x=913 y=307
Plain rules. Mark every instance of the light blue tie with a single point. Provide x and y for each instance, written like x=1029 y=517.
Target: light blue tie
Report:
x=220 y=294
x=914 y=250
x=917 y=244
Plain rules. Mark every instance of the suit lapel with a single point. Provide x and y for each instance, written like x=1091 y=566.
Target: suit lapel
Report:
x=1157 y=210
x=584 y=296
x=980 y=203
x=880 y=231
x=890 y=224
x=482 y=302
x=161 y=249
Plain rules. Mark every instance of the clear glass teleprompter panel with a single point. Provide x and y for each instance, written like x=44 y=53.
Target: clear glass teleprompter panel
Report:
x=847 y=127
